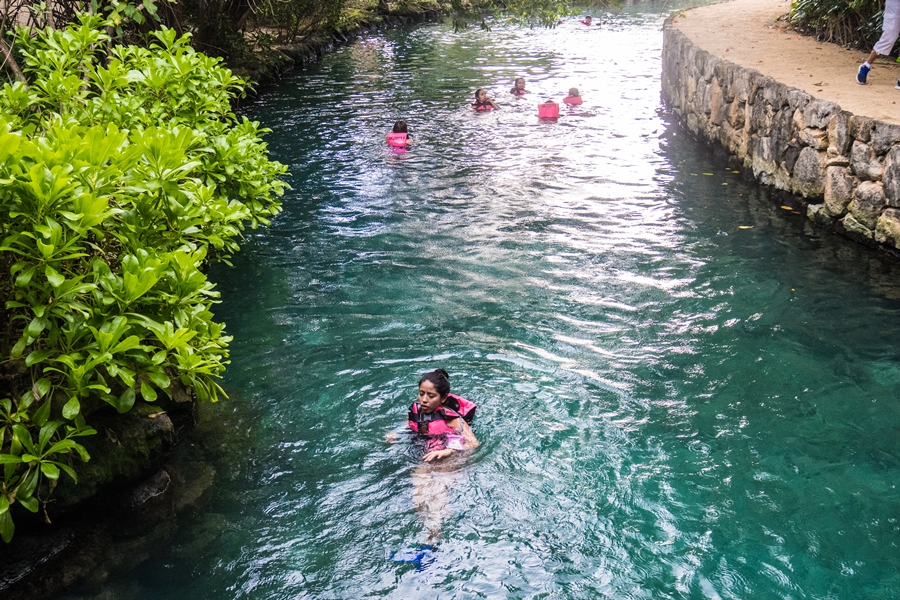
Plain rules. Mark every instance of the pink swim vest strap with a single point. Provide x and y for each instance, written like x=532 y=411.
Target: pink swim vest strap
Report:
x=397 y=140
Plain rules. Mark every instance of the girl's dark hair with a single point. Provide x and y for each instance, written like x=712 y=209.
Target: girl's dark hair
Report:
x=440 y=379
x=400 y=126
x=478 y=91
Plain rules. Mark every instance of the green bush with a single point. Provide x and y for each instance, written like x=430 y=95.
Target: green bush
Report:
x=122 y=169
x=851 y=23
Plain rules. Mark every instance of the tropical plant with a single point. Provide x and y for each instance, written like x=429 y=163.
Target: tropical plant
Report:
x=852 y=23
x=122 y=171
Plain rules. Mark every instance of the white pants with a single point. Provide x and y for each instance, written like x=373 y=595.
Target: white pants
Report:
x=891 y=28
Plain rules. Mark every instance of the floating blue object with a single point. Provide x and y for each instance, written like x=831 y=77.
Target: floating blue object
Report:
x=422 y=555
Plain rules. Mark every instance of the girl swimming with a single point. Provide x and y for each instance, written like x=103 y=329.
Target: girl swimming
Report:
x=483 y=102
x=441 y=417
x=519 y=87
x=398 y=138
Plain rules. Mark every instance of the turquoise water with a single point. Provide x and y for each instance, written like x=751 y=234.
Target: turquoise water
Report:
x=685 y=390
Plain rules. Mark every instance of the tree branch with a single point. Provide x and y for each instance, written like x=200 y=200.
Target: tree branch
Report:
x=9 y=60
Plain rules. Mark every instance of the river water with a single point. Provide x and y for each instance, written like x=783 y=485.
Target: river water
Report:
x=685 y=390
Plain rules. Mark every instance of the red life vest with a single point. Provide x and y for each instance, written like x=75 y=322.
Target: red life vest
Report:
x=518 y=92
x=482 y=106
x=573 y=100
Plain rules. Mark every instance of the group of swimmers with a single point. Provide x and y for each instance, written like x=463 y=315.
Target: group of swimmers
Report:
x=399 y=139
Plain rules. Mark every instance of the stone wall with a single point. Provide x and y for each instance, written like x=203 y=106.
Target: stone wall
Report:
x=846 y=167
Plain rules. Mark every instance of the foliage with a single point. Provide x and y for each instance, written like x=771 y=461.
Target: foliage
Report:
x=852 y=23
x=122 y=169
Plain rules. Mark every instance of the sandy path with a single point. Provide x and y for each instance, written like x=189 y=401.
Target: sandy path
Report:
x=745 y=32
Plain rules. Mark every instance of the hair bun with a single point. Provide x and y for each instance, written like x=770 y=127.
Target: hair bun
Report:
x=443 y=374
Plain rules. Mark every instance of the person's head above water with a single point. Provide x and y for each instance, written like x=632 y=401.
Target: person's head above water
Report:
x=520 y=83
x=586 y=20
x=400 y=126
x=433 y=390
x=480 y=95
x=573 y=92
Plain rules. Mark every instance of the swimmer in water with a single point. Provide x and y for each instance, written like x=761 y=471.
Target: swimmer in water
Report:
x=440 y=418
x=519 y=87
x=574 y=98
x=587 y=20
x=399 y=138
x=483 y=102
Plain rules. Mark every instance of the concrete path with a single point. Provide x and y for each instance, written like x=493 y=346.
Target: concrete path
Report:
x=749 y=33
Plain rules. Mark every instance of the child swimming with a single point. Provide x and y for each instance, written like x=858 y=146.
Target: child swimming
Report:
x=483 y=102
x=519 y=87
x=574 y=98
x=441 y=417
x=399 y=138
x=586 y=20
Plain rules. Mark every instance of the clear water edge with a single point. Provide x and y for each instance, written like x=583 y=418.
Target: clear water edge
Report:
x=671 y=405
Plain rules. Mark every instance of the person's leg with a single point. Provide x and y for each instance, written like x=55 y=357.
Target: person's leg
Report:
x=890 y=31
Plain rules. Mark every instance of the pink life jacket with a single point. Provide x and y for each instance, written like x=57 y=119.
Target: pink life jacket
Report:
x=482 y=106
x=573 y=100
x=518 y=92
x=434 y=424
x=548 y=110
x=397 y=140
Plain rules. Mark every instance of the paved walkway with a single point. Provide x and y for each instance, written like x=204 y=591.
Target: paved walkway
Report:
x=748 y=33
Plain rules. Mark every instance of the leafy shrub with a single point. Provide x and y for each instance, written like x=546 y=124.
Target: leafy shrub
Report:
x=122 y=168
x=851 y=23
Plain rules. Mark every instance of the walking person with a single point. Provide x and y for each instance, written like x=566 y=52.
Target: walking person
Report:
x=890 y=30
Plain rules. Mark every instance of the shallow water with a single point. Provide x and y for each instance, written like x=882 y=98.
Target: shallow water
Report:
x=685 y=390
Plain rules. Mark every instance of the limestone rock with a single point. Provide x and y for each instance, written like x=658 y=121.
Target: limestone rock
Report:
x=892 y=177
x=839 y=185
x=887 y=230
x=861 y=128
x=884 y=136
x=868 y=203
x=814 y=138
x=819 y=112
x=839 y=132
x=798 y=99
x=809 y=176
x=856 y=230
x=864 y=162
x=735 y=113
x=716 y=102
x=819 y=214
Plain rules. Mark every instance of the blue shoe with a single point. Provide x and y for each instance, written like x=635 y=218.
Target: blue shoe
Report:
x=420 y=556
x=897 y=87
x=862 y=74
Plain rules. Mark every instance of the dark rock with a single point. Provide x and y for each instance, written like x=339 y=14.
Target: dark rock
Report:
x=884 y=136
x=887 y=230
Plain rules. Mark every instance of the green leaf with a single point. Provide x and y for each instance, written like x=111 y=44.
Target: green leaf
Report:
x=7 y=529
x=147 y=392
x=30 y=502
x=38 y=356
x=42 y=414
x=9 y=459
x=71 y=408
x=53 y=276
x=50 y=470
x=126 y=400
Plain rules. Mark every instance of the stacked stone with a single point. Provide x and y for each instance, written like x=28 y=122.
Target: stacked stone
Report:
x=846 y=166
